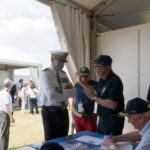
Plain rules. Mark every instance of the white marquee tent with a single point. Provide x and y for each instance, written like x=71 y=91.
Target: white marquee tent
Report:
x=11 y=59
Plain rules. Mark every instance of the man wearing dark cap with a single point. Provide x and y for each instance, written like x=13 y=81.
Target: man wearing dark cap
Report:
x=84 y=117
x=109 y=96
x=138 y=113
x=53 y=81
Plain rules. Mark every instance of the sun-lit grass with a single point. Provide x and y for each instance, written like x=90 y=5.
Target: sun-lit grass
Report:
x=27 y=130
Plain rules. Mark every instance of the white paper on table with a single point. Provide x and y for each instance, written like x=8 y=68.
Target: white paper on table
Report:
x=122 y=146
x=125 y=145
x=89 y=139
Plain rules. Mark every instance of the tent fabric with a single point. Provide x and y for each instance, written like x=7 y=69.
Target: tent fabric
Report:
x=14 y=57
x=73 y=29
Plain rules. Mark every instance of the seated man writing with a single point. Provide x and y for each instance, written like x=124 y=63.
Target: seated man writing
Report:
x=138 y=113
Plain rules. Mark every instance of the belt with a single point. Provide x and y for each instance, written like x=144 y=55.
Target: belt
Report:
x=84 y=115
x=109 y=116
x=54 y=107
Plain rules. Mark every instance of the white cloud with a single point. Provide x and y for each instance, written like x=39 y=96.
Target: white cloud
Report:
x=27 y=25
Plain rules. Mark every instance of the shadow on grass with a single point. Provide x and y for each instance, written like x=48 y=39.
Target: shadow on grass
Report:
x=18 y=108
x=17 y=147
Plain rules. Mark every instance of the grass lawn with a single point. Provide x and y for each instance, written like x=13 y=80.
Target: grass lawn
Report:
x=27 y=130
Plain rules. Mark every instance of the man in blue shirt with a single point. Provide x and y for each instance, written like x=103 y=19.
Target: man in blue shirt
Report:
x=109 y=96
x=138 y=113
x=84 y=117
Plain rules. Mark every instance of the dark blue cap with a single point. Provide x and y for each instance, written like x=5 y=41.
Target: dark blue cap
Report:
x=103 y=60
x=137 y=106
x=84 y=70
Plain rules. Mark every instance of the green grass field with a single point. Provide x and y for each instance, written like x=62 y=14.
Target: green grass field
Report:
x=27 y=130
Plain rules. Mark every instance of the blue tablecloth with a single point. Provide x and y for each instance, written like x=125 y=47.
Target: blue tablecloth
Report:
x=79 y=134
x=70 y=139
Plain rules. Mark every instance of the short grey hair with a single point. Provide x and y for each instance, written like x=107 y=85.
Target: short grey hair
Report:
x=7 y=82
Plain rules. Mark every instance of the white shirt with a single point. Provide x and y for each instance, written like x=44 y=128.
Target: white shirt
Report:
x=5 y=98
x=32 y=93
x=145 y=141
x=18 y=87
x=48 y=84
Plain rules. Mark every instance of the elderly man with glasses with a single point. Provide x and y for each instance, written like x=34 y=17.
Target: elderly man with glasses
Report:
x=138 y=113
x=109 y=97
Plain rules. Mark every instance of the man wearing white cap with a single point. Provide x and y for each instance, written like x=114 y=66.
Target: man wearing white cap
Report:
x=53 y=81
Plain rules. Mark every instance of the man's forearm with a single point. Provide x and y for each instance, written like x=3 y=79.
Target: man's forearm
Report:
x=128 y=137
x=106 y=103
x=8 y=112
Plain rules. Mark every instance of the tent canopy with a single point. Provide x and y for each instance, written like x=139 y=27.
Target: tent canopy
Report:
x=12 y=58
x=113 y=14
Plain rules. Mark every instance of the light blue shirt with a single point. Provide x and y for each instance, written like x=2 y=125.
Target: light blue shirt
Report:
x=145 y=141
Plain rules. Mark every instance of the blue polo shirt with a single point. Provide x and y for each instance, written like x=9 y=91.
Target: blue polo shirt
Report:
x=110 y=88
x=88 y=104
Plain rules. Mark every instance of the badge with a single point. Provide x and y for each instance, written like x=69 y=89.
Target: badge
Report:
x=103 y=91
x=80 y=108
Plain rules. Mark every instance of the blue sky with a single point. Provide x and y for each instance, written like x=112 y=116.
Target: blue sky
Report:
x=28 y=26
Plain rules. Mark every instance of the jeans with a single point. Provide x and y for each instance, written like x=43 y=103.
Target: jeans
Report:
x=33 y=104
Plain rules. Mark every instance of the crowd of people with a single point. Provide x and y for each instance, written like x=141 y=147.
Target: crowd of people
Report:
x=98 y=106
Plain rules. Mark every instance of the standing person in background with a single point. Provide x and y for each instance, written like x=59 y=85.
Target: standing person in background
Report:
x=24 y=97
x=19 y=86
x=53 y=83
x=13 y=92
x=109 y=96
x=33 y=93
x=148 y=94
x=6 y=116
x=84 y=117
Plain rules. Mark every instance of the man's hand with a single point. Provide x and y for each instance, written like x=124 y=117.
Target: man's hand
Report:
x=12 y=119
x=90 y=93
x=108 y=141
x=69 y=86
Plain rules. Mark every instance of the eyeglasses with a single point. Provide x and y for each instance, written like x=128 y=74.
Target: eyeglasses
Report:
x=84 y=76
x=99 y=66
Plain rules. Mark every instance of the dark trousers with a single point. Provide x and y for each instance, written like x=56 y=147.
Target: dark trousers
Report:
x=4 y=130
x=110 y=125
x=33 y=104
x=55 y=121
